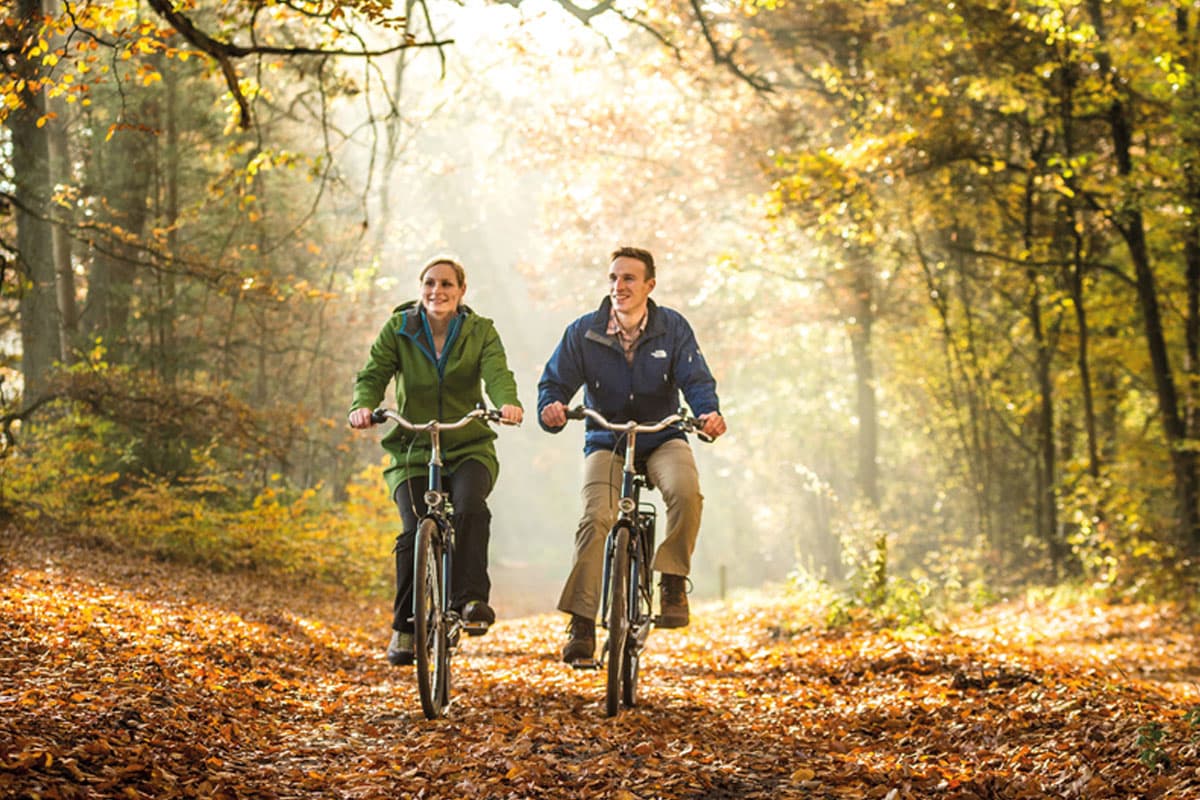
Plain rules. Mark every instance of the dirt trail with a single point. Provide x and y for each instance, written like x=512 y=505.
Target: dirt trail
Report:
x=130 y=678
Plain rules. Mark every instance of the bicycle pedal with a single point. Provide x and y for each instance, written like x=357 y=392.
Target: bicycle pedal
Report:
x=585 y=664
x=475 y=628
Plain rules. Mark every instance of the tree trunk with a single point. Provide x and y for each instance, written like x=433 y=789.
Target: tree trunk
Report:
x=1072 y=226
x=40 y=341
x=1047 y=467
x=59 y=154
x=1189 y=112
x=123 y=177
x=168 y=365
x=1183 y=461
x=1132 y=227
x=60 y=174
x=1083 y=363
x=866 y=402
x=1047 y=462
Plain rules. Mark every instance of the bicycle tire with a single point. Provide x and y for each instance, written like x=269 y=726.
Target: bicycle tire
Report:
x=629 y=676
x=429 y=636
x=449 y=636
x=618 y=622
x=640 y=612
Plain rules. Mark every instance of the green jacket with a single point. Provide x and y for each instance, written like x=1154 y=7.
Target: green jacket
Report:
x=429 y=388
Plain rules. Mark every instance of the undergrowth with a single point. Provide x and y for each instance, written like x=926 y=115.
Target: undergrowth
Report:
x=70 y=479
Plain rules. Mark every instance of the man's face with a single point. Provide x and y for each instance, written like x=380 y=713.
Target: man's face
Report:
x=628 y=287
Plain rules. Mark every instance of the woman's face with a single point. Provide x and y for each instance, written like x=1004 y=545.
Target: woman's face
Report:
x=441 y=292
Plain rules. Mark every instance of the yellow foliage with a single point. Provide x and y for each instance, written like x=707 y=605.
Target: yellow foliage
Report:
x=66 y=477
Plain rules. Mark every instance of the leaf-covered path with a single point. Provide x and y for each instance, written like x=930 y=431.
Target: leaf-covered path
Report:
x=127 y=678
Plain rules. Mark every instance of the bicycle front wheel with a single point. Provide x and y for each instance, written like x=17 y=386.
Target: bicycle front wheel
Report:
x=432 y=652
x=629 y=677
x=640 y=614
x=618 y=623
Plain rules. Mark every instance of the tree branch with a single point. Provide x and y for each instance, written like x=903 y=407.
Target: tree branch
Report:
x=7 y=439
x=224 y=53
x=726 y=58
x=585 y=15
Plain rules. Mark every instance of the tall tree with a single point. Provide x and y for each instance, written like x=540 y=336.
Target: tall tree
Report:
x=32 y=191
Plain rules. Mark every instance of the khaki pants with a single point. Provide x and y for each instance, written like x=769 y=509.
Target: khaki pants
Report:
x=672 y=469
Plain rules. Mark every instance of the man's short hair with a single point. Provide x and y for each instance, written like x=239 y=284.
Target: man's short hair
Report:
x=638 y=253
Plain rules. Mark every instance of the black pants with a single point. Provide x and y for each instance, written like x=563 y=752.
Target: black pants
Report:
x=469 y=485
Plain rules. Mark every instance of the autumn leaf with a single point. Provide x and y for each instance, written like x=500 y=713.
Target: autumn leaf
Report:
x=141 y=678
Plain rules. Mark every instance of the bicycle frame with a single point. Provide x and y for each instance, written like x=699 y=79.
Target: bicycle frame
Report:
x=437 y=626
x=629 y=509
x=436 y=498
x=628 y=621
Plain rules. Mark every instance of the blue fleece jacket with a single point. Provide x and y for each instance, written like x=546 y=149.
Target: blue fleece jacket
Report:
x=666 y=361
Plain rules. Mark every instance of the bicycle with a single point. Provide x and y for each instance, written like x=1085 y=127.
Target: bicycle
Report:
x=627 y=590
x=437 y=626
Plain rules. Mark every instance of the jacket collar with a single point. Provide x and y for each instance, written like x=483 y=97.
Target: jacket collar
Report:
x=414 y=326
x=599 y=321
x=414 y=317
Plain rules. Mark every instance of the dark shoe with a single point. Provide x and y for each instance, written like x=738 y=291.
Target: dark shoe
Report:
x=400 y=649
x=478 y=616
x=582 y=644
x=672 y=602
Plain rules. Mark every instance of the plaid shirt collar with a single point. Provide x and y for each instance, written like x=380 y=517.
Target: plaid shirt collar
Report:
x=627 y=340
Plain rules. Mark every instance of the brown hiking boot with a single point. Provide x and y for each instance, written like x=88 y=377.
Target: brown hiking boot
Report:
x=582 y=644
x=672 y=602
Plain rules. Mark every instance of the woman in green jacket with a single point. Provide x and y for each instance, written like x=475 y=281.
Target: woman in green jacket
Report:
x=440 y=354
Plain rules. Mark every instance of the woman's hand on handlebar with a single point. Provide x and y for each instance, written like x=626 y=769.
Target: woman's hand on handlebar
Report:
x=512 y=414
x=713 y=423
x=361 y=418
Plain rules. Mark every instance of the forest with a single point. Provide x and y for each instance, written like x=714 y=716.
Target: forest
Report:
x=943 y=259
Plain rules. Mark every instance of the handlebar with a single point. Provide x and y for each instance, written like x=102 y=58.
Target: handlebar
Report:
x=380 y=415
x=681 y=419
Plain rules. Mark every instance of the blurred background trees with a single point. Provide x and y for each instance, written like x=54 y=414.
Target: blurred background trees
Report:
x=943 y=258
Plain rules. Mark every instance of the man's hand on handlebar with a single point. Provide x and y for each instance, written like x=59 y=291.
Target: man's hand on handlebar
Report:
x=361 y=418
x=707 y=426
x=713 y=423
x=554 y=415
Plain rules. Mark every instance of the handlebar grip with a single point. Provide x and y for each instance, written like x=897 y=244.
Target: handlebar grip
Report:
x=378 y=417
x=704 y=437
x=575 y=413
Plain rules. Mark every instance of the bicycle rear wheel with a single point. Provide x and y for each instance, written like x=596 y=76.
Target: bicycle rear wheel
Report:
x=618 y=623
x=432 y=652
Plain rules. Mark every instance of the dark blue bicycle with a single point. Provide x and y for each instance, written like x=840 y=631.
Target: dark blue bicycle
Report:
x=437 y=626
x=627 y=591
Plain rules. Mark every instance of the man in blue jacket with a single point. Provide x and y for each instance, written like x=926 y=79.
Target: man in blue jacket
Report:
x=633 y=357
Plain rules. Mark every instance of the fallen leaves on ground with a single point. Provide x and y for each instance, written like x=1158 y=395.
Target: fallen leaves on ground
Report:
x=135 y=679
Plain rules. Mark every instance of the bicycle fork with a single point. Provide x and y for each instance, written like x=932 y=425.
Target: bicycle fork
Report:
x=610 y=546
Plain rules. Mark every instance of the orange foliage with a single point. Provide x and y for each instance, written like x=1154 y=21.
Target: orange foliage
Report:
x=133 y=678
